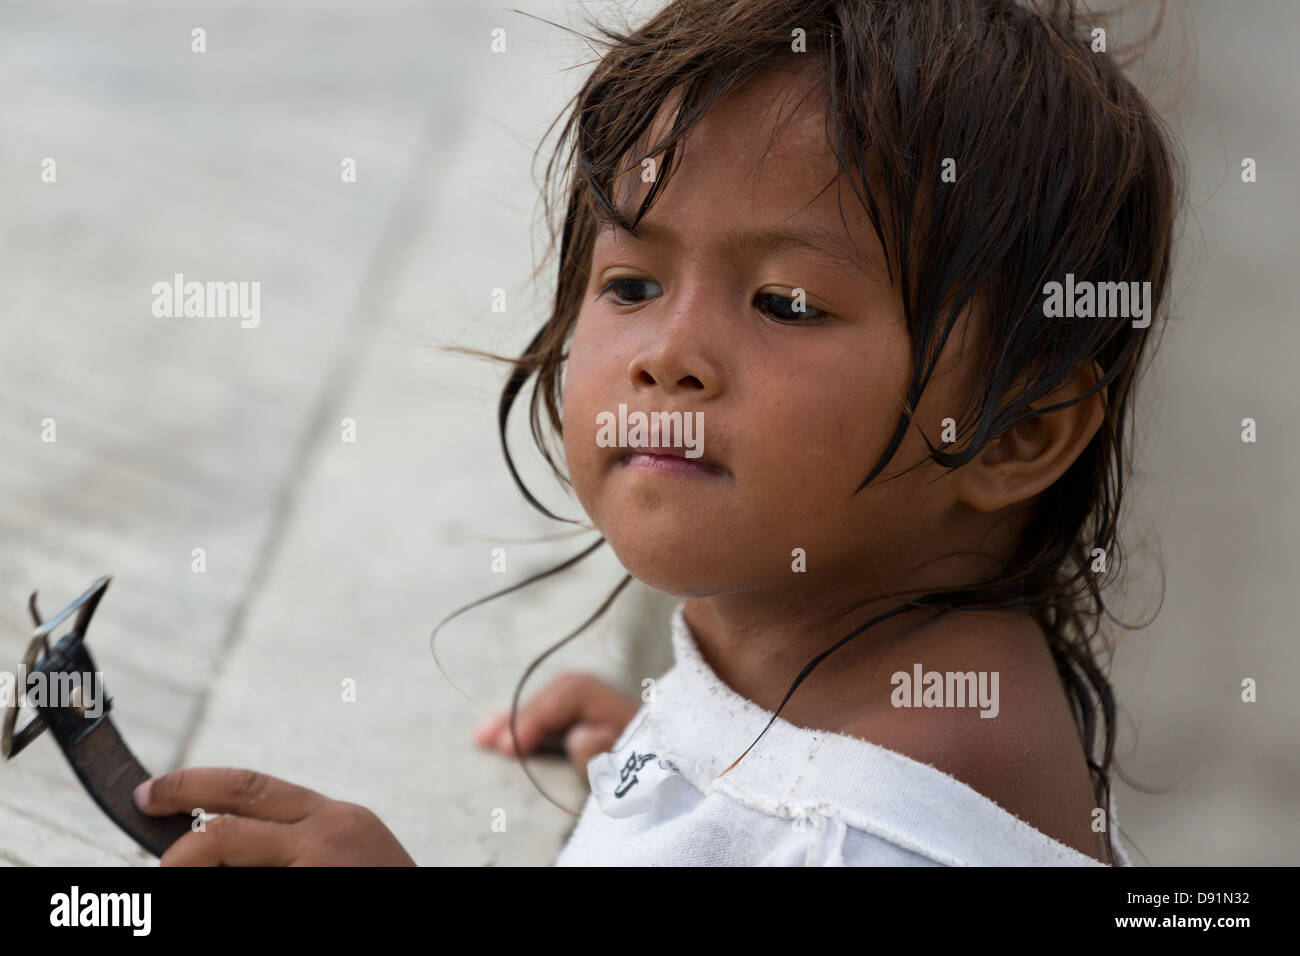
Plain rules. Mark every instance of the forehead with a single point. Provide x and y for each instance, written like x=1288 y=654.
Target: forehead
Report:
x=757 y=161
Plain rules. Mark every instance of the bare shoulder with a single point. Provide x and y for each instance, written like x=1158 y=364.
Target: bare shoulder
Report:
x=1025 y=753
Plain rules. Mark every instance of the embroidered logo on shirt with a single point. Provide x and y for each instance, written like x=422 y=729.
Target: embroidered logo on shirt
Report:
x=623 y=780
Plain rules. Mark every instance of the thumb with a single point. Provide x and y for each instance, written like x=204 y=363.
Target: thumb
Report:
x=584 y=741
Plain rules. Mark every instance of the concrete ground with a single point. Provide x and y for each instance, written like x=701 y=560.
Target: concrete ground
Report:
x=330 y=560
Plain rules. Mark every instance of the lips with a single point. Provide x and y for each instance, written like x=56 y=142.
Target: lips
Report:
x=671 y=454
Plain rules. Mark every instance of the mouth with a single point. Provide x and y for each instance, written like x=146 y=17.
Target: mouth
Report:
x=671 y=462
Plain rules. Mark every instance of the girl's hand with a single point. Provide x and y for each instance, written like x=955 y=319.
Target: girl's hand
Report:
x=589 y=712
x=267 y=822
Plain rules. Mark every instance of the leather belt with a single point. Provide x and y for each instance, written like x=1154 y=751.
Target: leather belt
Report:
x=91 y=743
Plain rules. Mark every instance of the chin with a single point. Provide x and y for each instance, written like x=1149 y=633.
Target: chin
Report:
x=666 y=568
x=662 y=538
x=672 y=582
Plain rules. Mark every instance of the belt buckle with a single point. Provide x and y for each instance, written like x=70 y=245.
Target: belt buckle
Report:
x=90 y=741
x=84 y=606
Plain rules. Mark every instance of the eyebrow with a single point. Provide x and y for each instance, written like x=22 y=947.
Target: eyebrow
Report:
x=837 y=247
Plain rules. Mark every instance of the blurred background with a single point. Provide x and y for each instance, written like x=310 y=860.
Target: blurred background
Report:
x=341 y=484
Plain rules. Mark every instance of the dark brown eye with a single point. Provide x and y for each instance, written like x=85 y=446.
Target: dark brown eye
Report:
x=631 y=291
x=783 y=309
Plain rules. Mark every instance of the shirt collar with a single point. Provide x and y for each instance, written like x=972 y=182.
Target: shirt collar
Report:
x=703 y=726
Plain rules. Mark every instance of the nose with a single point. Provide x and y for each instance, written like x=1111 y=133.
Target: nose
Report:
x=677 y=361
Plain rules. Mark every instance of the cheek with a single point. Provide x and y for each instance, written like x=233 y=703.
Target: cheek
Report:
x=807 y=448
x=823 y=432
x=587 y=385
x=830 y=425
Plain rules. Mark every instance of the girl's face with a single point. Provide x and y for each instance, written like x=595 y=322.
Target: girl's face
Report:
x=698 y=315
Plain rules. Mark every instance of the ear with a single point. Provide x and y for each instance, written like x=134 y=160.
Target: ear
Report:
x=1028 y=457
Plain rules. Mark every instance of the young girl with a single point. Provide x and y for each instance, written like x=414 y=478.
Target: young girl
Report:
x=834 y=236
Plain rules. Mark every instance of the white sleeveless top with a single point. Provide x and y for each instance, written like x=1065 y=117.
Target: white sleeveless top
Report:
x=799 y=798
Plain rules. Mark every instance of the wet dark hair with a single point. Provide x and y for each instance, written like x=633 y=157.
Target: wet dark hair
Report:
x=1063 y=167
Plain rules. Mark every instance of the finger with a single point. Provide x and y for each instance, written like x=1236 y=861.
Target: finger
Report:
x=226 y=790
x=485 y=735
x=232 y=841
x=584 y=741
x=569 y=699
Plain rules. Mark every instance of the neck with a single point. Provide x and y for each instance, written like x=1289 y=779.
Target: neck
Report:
x=759 y=649
x=758 y=640
x=759 y=644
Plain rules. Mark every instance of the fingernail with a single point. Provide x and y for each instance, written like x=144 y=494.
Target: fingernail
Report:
x=503 y=738
x=142 y=794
